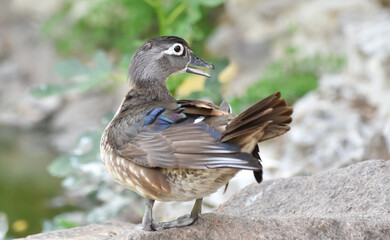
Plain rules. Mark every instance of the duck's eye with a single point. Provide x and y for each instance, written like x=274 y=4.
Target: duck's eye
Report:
x=176 y=49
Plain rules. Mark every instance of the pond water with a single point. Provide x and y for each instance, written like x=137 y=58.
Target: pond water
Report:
x=25 y=185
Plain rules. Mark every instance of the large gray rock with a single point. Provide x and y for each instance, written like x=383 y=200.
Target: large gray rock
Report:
x=107 y=230
x=350 y=108
x=360 y=191
x=347 y=203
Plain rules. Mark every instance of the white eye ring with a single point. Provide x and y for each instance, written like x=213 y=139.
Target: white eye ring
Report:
x=176 y=49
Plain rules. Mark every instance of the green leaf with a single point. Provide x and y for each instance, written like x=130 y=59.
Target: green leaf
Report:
x=60 y=167
x=211 y=3
x=101 y=62
x=207 y=3
x=69 y=69
x=47 y=90
x=292 y=75
x=212 y=85
x=77 y=76
x=194 y=13
x=63 y=223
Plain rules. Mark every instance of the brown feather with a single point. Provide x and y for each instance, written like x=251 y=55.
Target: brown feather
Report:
x=204 y=111
x=196 y=104
x=264 y=120
x=200 y=108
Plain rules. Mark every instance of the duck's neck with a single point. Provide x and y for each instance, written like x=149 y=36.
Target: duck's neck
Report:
x=146 y=93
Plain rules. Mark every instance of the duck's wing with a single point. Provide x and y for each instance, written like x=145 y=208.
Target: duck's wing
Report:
x=182 y=138
x=201 y=108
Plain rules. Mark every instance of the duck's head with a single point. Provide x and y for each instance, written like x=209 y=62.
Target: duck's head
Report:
x=161 y=57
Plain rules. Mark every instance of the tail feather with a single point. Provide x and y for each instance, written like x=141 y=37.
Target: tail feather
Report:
x=248 y=130
x=258 y=174
x=264 y=120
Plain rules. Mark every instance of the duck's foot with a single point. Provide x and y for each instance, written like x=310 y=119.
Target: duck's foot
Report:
x=147 y=220
x=182 y=221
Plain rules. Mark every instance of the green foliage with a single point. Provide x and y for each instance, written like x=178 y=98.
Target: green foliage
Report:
x=77 y=76
x=293 y=76
x=64 y=223
x=84 y=26
x=98 y=199
x=87 y=151
x=120 y=25
x=212 y=86
x=90 y=25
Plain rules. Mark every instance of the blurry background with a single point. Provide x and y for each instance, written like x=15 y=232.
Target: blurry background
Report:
x=63 y=67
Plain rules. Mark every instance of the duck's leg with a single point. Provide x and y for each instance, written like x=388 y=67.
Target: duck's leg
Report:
x=147 y=220
x=182 y=221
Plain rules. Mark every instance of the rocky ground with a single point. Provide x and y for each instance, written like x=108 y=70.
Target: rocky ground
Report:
x=347 y=203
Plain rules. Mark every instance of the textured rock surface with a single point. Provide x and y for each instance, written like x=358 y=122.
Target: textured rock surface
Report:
x=24 y=62
x=348 y=115
x=107 y=230
x=358 y=191
x=347 y=203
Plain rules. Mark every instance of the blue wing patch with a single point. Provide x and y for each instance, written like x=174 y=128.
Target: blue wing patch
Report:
x=152 y=114
x=162 y=118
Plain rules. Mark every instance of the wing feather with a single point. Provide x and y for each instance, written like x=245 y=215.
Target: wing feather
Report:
x=183 y=144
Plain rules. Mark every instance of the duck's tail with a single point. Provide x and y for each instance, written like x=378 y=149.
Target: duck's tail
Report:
x=264 y=120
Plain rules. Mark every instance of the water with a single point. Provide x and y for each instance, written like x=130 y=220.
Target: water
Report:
x=25 y=185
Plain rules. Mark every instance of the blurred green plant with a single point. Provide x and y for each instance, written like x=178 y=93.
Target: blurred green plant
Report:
x=77 y=76
x=292 y=75
x=119 y=26
x=211 y=90
x=122 y=25
x=97 y=197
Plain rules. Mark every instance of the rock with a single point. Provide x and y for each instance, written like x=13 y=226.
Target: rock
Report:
x=25 y=62
x=368 y=55
x=346 y=203
x=213 y=226
x=360 y=191
x=347 y=117
x=107 y=230
x=332 y=127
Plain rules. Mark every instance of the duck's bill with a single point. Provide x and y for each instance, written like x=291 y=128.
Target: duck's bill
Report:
x=197 y=62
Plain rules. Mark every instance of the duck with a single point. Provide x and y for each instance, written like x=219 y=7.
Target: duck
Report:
x=181 y=150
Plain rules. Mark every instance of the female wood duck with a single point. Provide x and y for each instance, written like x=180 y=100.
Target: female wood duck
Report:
x=171 y=150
